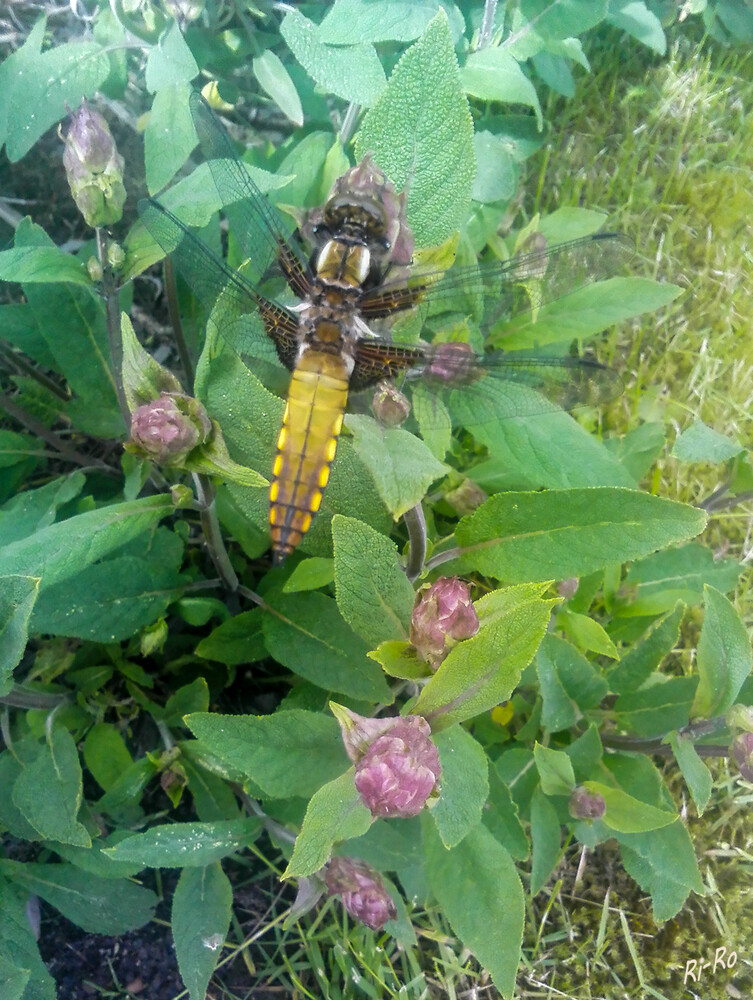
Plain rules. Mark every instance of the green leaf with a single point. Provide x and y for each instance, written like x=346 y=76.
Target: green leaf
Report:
x=555 y=770
x=554 y=19
x=306 y=633
x=13 y=980
x=545 y=840
x=569 y=683
x=421 y=134
x=464 y=785
x=33 y=510
x=678 y=574
x=723 y=657
x=18 y=947
x=17 y=597
x=626 y=814
x=561 y=533
x=11 y=818
x=238 y=640
x=186 y=845
x=351 y=21
x=638 y=449
x=98 y=905
x=36 y=87
x=399 y=659
x=202 y=907
x=497 y=171
x=169 y=136
x=697 y=776
x=311 y=574
x=290 y=753
x=334 y=813
x=70 y=321
x=486 y=913
x=585 y=312
x=492 y=74
x=501 y=818
x=170 y=62
x=373 y=593
x=585 y=753
x=63 y=550
x=106 y=755
x=108 y=602
x=640 y=22
x=645 y=655
x=483 y=671
x=352 y=72
x=552 y=451
x=657 y=707
x=663 y=863
x=401 y=464
x=699 y=443
x=42 y=265
x=590 y=635
x=49 y=790
x=275 y=80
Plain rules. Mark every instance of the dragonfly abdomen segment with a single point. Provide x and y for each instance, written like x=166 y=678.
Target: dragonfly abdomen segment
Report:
x=306 y=446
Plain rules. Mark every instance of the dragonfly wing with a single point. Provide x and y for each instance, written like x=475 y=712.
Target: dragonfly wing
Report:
x=250 y=323
x=266 y=242
x=492 y=292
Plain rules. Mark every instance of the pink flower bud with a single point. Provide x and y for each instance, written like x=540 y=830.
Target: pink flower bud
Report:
x=168 y=428
x=444 y=611
x=586 y=805
x=568 y=588
x=742 y=751
x=453 y=362
x=362 y=890
x=390 y=406
x=94 y=168
x=399 y=771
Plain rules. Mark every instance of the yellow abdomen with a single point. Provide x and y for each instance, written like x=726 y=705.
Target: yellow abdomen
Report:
x=306 y=447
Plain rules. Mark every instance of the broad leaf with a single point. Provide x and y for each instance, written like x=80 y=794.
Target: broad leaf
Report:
x=563 y=533
x=169 y=136
x=275 y=80
x=545 y=840
x=186 y=845
x=170 y=62
x=17 y=597
x=202 y=907
x=626 y=814
x=697 y=776
x=464 y=785
x=373 y=593
x=724 y=657
x=699 y=443
x=352 y=72
x=555 y=770
x=420 y=131
x=486 y=913
x=289 y=753
x=663 y=863
x=334 y=813
x=492 y=74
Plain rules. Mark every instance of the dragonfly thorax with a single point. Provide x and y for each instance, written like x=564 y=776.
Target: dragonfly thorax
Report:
x=344 y=264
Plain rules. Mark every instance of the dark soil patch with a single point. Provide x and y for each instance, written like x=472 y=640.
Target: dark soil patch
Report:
x=87 y=966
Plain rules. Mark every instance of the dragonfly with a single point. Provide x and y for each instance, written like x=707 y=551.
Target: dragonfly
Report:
x=337 y=302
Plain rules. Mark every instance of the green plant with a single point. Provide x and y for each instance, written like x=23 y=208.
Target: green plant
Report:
x=114 y=601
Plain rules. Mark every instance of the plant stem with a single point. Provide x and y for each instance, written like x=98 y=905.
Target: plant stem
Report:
x=415 y=522
x=210 y=524
x=112 y=316
x=38 y=428
x=24 y=367
x=656 y=744
x=20 y=697
x=171 y=290
x=349 y=123
x=487 y=24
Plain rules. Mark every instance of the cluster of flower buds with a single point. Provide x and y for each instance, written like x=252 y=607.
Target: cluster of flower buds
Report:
x=94 y=168
x=362 y=890
x=586 y=805
x=444 y=614
x=397 y=765
x=168 y=428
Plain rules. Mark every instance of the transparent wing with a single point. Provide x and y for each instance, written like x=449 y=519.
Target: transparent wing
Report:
x=495 y=292
x=266 y=242
x=254 y=326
